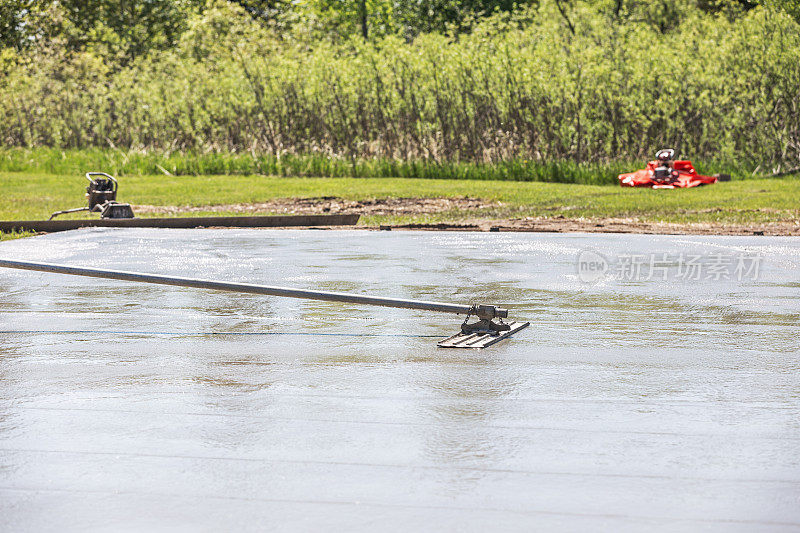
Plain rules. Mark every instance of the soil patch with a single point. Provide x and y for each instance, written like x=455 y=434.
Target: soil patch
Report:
x=332 y=205
x=417 y=206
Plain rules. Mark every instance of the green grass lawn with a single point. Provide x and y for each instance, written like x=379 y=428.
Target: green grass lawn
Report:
x=26 y=196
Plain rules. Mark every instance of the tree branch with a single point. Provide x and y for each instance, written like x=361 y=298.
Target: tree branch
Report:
x=566 y=18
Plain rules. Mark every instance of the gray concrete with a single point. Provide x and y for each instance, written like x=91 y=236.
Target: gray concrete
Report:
x=627 y=405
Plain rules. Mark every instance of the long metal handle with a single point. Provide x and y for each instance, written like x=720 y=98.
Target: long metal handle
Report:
x=481 y=311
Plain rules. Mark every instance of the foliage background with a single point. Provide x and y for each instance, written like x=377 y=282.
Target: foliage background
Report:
x=371 y=87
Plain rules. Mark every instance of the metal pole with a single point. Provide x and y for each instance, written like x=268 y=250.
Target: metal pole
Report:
x=481 y=311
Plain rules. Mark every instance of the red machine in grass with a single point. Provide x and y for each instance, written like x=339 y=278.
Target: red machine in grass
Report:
x=666 y=173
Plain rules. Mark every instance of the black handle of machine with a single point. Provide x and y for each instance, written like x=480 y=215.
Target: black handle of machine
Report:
x=109 y=176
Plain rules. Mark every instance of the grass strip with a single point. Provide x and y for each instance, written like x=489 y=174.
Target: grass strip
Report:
x=35 y=196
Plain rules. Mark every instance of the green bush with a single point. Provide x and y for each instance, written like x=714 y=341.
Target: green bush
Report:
x=510 y=99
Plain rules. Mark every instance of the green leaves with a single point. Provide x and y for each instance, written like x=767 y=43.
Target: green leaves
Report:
x=511 y=91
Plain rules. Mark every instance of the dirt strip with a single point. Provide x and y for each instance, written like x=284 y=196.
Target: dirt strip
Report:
x=569 y=225
x=420 y=206
x=610 y=225
x=325 y=205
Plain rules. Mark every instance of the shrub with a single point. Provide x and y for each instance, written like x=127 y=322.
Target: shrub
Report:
x=509 y=94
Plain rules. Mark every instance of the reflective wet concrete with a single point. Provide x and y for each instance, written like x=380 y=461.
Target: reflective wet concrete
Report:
x=629 y=404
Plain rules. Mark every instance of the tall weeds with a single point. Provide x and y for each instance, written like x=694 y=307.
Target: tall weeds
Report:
x=531 y=101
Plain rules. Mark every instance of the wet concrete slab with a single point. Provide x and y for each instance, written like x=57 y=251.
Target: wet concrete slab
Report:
x=631 y=402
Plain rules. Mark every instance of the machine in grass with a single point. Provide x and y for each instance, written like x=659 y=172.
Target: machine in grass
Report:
x=667 y=173
x=101 y=196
